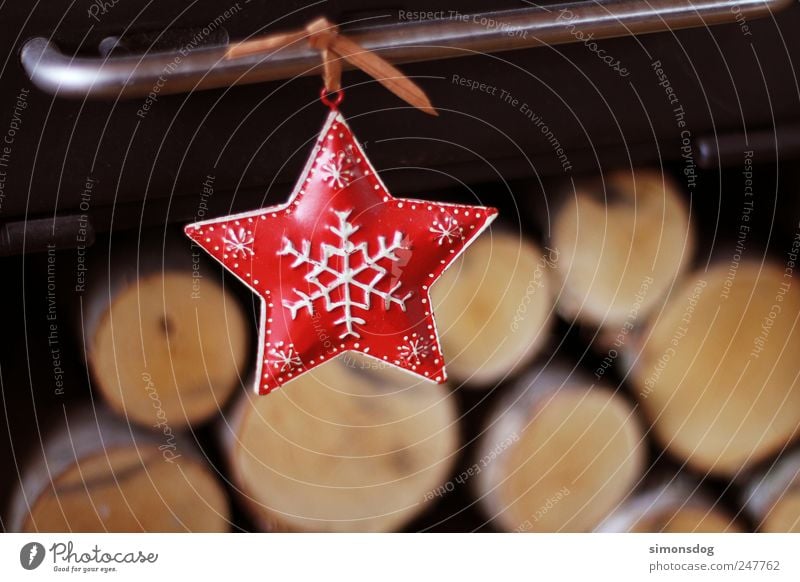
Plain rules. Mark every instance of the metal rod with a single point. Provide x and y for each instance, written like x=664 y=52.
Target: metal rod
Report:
x=183 y=71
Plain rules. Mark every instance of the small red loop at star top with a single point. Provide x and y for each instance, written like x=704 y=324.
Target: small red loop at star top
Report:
x=343 y=265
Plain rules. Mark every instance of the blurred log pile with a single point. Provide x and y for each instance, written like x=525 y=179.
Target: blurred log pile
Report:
x=605 y=376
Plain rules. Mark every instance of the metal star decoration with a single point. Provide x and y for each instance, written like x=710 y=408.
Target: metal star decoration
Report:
x=343 y=265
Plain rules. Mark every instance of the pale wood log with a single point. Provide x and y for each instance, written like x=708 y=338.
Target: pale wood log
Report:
x=717 y=372
x=162 y=338
x=493 y=308
x=98 y=474
x=772 y=497
x=351 y=446
x=558 y=454
x=622 y=240
x=676 y=506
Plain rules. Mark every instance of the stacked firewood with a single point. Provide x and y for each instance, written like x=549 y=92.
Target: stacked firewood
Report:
x=694 y=381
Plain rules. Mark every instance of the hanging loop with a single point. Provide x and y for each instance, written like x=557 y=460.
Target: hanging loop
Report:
x=325 y=97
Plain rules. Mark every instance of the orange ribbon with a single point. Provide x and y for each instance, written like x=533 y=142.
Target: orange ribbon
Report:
x=324 y=36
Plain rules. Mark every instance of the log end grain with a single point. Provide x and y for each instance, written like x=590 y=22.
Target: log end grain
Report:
x=573 y=454
x=493 y=308
x=130 y=490
x=784 y=515
x=342 y=448
x=717 y=371
x=621 y=244
x=168 y=349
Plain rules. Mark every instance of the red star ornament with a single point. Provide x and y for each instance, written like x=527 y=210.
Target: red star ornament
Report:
x=343 y=265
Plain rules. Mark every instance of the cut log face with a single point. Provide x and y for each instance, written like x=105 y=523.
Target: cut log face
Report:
x=559 y=456
x=168 y=349
x=623 y=251
x=773 y=497
x=671 y=508
x=129 y=490
x=784 y=515
x=717 y=371
x=493 y=308
x=102 y=477
x=345 y=447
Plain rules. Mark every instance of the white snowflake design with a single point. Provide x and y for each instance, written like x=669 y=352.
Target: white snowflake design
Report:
x=446 y=228
x=345 y=279
x=239 y=242
x=337 y=170
x=287 y=359
x=413 y=351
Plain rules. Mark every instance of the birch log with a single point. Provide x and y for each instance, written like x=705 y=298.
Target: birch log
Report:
x=676 y=506
x=772 y=498
x=622 y=242
x=558 y=455
x=351 y=446
x=97 y=474
x=493 y=308
x=717 y=373
x=163 y=340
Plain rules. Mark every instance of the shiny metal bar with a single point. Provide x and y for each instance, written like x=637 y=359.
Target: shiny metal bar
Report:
x=179 y=72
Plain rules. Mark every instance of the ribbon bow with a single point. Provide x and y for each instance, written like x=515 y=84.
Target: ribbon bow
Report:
x=324 y=36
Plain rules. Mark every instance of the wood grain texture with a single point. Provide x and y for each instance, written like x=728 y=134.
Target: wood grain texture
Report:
x=558 y=454
x=717 y=372
x=494 y=308
x=166 y=347
x=622 y=242
x=772 y=496
x=676 y=506
x=99 y=475
x=351 y=446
